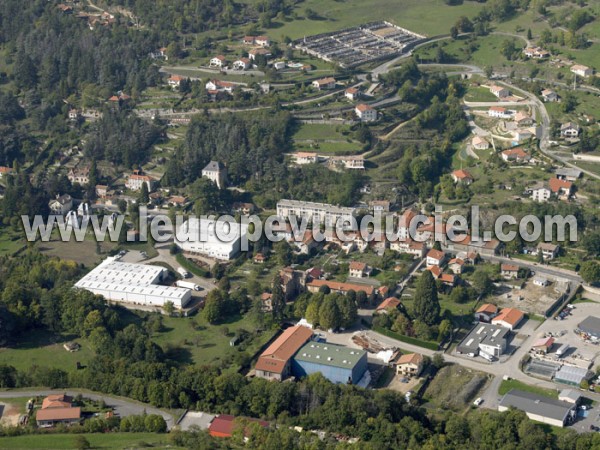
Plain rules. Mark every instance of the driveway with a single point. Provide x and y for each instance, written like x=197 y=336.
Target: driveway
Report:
x=121 y=406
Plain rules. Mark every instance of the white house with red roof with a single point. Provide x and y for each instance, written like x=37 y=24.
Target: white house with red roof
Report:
x=435 y=258
x=462 y=176
x=218 y=61
x=365 y=113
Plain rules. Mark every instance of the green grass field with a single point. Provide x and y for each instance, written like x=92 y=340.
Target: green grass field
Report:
x=10 y=242
x=96 y=440
x=430 y=17
x=44 y=349
x=507 y=385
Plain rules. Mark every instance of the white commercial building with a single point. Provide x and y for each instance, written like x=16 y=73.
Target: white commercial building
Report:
x=219 y=239
x=135 y=284
x=316 y=212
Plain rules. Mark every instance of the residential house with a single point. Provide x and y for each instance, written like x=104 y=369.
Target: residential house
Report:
x=219 y=86
x=523 y=119
x=509 y=318
x=74 y=115
x=561 y=188
x=410 y=364
x=256 y=52
x=549 y=251
x=462 y=176
x=4 y=171
x=379 y=206
x=540 y=281
x=216 y=172
x=292 y=282
x=101 y=191
x=302 y=158
x=365 y=113
x=581 y=70
x=346 y=162
x=405 y=221
x=435 y=258
x=358 y=269
x=479 y=143
x=486 y=313
x=499 y=91
x=266 y=300
x=259 y=258
x=79 y=175
x=536 y=52
x=569 y=130
x=174 y=81
x=57 y=410
x=456 y=265
x=539 y=193
x=516 y=154
x=352 y=93
x=314 y=273
x=136 y=180
x=307 y=243
x=389 y=304
x=248 y=40
x=548 y=95
x=409 y=247
x=61 y=205
x=177 y=200
x=509 y=270
x=263 y=41
x=324 y=83
x=499 y=112
x=242 y=64
x=218 y=61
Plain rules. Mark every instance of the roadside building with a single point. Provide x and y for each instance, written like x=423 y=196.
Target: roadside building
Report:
x=549 y=251
x=509 y=270
x=410 y=365
x=541 y=409
x=484 y=337
x=336 y=363
x=509 y=318
x=275 y=362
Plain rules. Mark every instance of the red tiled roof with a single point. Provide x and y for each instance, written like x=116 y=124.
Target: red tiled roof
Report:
x=509 y=268
x=276 y=356
x=345 y=287
x=512 y=316
x=390 y=302
x=51 y=414
x=364 y=107
x=437 y=254
x=357 y=265
x=462 y=174
x=435 y=271
x=488 y=308
x=410 y=358
x=223 y=425
x=555 y=185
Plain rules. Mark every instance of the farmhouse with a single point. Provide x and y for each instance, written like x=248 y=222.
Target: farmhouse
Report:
x=60 y=205
x=499 y=112
x=539 y=408
x=134 y=284
x=515 y=155
x=480 y=143
x=569 y=130
x=275 y=362
x=410 y=364
x=536 y=52
x=548 y=95
x=219 y=86
x=324 y=83
x=499 y=91
x=365 y=113
x=352 y=93
x=582 y=71
x=218 y=61
x=462 y=176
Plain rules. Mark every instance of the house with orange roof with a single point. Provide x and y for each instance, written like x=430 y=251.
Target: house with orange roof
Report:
x=462 y=176
x=509 y=270
x=358 y=269
x=515 y=154
x=409 y=246
x=563 y=189
x=137 y=179
x=486 y=312
x=324 y=83
x=365 y=113
x=456 y=265
x=275 y=362
x=389 y=304
x=499 y=91
x=509 y=318
x=499 y=112
x=410 y=364
x=5 y=171
x=352 y=93
x=479 y=143
x=218 y=61
x=435 y=258
x=174 y=81
x=342 y=288
x=543 y=345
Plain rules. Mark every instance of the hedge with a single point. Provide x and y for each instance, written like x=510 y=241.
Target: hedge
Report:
x=191 y=267
x=409 y=340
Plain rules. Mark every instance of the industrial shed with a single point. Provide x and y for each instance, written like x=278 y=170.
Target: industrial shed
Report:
x=572 y=375
x=591 y=327
x=134 y=284
x=543 y=409
x=337 y=363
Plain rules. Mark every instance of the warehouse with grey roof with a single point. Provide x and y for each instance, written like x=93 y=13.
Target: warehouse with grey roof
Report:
x=539 y=408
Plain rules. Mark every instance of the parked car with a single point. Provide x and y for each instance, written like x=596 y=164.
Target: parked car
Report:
x=478 y=401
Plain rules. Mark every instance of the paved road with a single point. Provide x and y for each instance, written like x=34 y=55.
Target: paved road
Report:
x=121 y=406
x=554 y=272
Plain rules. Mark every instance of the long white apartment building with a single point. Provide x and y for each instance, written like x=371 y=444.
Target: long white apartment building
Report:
x=316 y=212
x=134 y=284
x=215 y=239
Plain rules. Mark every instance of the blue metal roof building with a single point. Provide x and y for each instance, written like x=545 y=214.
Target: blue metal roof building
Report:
x=337 y=363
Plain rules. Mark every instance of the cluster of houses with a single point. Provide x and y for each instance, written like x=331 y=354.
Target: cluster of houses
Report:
x=561 y=186
x=349 y=162
x=540 y=53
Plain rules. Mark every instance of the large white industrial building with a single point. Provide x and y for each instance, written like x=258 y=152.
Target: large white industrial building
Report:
x=316 y=212
x=135 y=284
x=217 y=239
